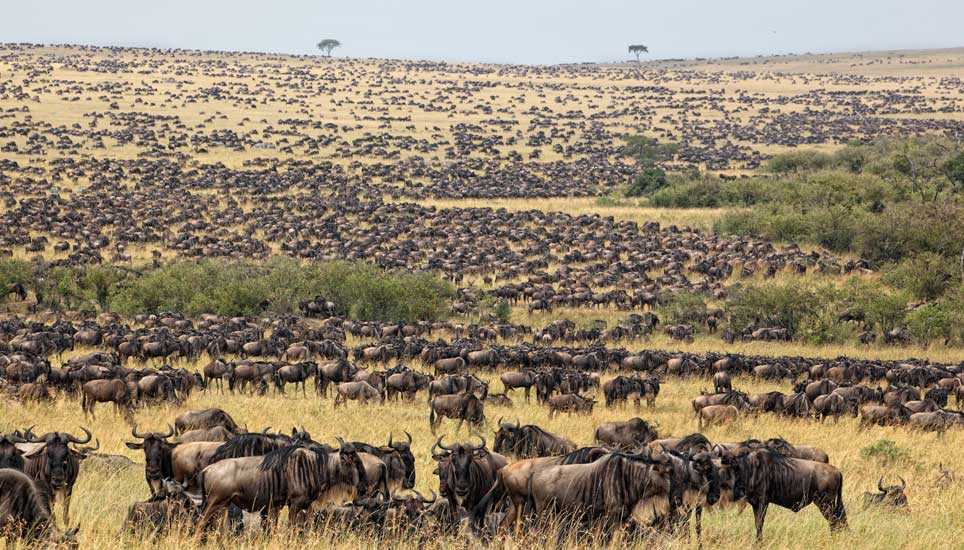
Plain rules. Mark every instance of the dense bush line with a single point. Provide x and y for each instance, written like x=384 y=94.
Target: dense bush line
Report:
x=359 y=290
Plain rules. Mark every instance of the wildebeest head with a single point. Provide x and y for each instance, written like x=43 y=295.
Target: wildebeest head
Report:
x=10 y=455
x=460 y=459
x=506 y=437
x=352 y=467
x=57 y=454
x=892 y=495
x=399 y=453
x=157 y=455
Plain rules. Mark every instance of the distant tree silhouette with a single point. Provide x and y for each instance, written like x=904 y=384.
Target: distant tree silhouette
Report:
x=638 y=49
x=329 y=44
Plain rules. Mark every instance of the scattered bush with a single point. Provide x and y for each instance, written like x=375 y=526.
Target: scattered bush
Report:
x=926 y=276
x=771 y=305
x=682 y=308
x=799 y=161
x=885 y=452
x=649 y=180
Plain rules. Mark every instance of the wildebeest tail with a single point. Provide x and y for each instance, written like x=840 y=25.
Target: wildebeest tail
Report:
x=495 y=495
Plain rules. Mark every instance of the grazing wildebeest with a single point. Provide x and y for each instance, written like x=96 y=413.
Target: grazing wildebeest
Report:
x=207 y=418
x=625 y=436
x=169 y=507
x=570 y=403
x=406 y=384
x=466 y=472
x=357 y=391
x=157 y=456
x=516 y=379
x=884 y=415
x=462 y=407
x=157 y=387
x=767 y=402
x=293 y=476
x=892 y=495
x=54 y=465
x=107 y=391
x=397 y=455
x=791 y=483
x=25 y=515
x=529 y=441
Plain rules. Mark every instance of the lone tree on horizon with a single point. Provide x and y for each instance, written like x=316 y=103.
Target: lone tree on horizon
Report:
x=327 y=45
x=638 y=49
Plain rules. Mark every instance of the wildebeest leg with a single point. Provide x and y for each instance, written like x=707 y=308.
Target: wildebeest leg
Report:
x=699 y=526
x=212 y=509
x=759 y=516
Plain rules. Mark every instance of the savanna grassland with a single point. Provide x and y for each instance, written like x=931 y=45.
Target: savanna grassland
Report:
x=115 y=163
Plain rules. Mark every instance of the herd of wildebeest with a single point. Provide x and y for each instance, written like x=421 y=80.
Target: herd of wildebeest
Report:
x=207 y=468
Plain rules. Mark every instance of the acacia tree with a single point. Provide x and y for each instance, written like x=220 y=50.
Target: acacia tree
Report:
x=327 y=45
x=638 y=49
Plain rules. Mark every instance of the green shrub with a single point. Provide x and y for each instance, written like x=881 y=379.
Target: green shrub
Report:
x=682 y=307
x=503 y=311
x=926 y=275
x=649 y=180
x=885 y=451
x=772 y=305
x=798 y=161
x=14 y=271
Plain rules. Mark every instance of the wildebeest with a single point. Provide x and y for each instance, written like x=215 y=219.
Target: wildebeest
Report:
x=168 y=507
x=717 y=414
x=107 y=391
x=569 y=403
x=157 y=456
x=516 y=379
x=626 y=436
x=397 y=455
x=892 y=495
x=465 y=472
x=357 y=391
x=293 y=476
x=54 y=465
x=529 y=441
x=217 y=433
x=10 y=455
x=831 y=404
x=792 y=483
x=462 y=407
x=207 y=418
x=722 y=382
x=24 y=513
x=295 y=374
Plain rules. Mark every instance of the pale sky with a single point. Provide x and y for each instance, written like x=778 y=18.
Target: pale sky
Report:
x=517 y=31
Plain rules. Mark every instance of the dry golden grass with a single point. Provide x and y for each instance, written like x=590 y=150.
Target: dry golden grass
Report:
x=933 y=521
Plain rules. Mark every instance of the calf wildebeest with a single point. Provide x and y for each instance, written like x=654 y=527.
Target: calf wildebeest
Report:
x=625 y=436
x=207 y=418
x=465 y=472
x=107 y=391
x=516 y=379
x=607 y=493
x=717 y=414
x=357 y=391
x=529 y=441
x=792 y=483
x=168 y=507
x=397 y=455
x=157 y=456
x=24 y=513
x=293 y=476
x=892 y=495
x=462 y=407
x=569 y=403
x=54 y=465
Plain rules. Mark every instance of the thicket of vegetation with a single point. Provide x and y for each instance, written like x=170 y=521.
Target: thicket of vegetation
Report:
x=898 y=204
x=359 y=290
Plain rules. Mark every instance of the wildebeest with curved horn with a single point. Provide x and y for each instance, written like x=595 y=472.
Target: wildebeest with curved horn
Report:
x=157 y=456
x=54 y=465
x=892 y=495
x=466 y=472
x=24 y=512
x=397 y=455
x=529 y=441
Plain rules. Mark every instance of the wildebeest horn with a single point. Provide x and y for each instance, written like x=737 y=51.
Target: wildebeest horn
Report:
x=30 y=437
x=170 y=432
x=880 y=485
x=341 y=443
x=74 y=440
x=389 y=439
x=517 y=423
x=479 y=447
x=903 y=484
x=396 y=497
x=409 y=436
x=424 y=501
x=86 y=450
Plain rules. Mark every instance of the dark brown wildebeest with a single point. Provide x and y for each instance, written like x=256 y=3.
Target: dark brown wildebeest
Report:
x=357 y=391
x=606 y=493
x=189 y=459
x=722 y=382
x=513 y=483
x=397 y=455
x=462 y=407
x=529 y=441
x=294 y=476
x=884 y=415
x=733 y=397
x=157 y=388
x=10 y=455
x=215 y=371
x=466 y=472
x=892 y=495
x=831 y=404
x=569 y=403
x=169 y=507
x=295 y=374
x=24 y=513
x=451 y=365
x=406 y=384
x=207 y=418
x=337 y=371
x=625 y=436
x=498 y=399
x=157 y=456
x=107 y=391
x=767 y=402
x=54 y=465
x=792 y=483
x=518 y=379
x=717 y=414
